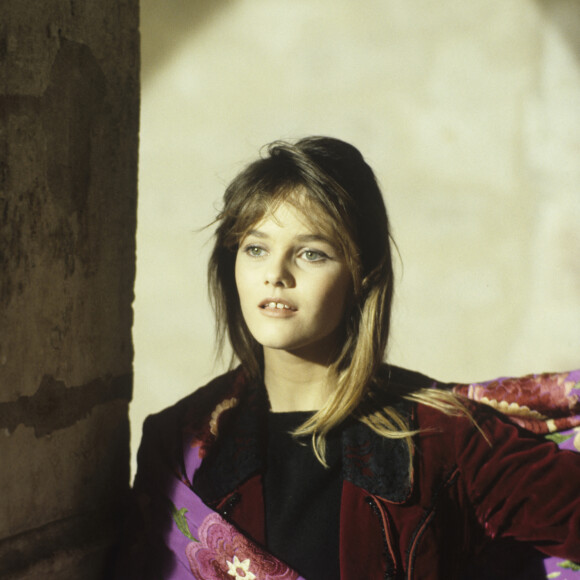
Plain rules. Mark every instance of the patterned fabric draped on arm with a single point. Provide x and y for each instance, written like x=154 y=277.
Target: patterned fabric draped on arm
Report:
x=547 y=404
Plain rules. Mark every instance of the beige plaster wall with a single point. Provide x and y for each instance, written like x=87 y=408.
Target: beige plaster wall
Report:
x=468 y=111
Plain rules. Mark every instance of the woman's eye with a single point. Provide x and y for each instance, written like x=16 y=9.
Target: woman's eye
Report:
x=255 y=251
x=313 y=255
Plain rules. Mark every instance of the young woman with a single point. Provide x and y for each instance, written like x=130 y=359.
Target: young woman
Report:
x=313 y=458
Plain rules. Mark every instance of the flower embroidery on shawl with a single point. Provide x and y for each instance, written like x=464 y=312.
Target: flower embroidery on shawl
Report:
x=543 y=403
x=223 y=552
x=577 y=439
x=223 y=406
x=236 y=565
x=547 y=393
x=181 y=521
x=203 y=435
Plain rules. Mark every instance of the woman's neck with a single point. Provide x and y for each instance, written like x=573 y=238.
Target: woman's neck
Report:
x=294 y=383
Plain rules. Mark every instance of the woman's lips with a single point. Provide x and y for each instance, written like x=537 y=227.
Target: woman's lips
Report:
x=277 y=307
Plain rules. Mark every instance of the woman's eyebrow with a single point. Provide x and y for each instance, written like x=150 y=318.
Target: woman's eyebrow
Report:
x=314 y=238
x=256 y=233
x=300 y=238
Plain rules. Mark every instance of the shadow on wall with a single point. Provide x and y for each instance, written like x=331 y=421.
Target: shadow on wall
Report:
x=565 y=15
x=165 y=25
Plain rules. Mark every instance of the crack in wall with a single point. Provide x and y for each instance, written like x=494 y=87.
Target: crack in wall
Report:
x=55 y=406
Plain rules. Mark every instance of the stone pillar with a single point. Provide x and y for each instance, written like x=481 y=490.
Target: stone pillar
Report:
x=69 y=113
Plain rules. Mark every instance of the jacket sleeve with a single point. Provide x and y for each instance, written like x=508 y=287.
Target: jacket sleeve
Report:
x=145 y=553
x=520 y=486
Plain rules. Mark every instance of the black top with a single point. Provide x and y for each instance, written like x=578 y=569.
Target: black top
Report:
x=302 y=499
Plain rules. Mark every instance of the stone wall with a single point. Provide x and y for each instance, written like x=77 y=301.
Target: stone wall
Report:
x=69 y=115
x=468 y=111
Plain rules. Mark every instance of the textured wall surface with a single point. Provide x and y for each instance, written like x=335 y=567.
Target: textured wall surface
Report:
x=468 y=111
x=69 y=108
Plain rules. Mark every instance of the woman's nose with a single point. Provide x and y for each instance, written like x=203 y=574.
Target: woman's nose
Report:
x=278 y=274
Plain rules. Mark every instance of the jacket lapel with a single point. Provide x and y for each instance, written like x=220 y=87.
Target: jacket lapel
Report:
x=376 y=464
x=234 y=450
x=235 y=437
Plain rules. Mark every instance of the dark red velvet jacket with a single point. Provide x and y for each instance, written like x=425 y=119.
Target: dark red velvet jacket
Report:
x=437 y=514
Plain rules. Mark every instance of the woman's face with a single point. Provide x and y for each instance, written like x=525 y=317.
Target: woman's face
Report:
x=293 y=284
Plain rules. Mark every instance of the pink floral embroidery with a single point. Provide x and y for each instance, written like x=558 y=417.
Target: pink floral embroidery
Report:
x=223 y=406
x=224 y=553
x=201 y=431
x=547 y=393
x=577 y=439
x=202 y=437
x=542 y=403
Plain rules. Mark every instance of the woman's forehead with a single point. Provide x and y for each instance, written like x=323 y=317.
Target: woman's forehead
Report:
x=297 y=213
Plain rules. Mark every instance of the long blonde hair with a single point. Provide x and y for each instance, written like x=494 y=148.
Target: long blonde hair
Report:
x=345 y=201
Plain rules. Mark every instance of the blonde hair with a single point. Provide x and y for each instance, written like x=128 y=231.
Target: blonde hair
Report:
x=344 y=199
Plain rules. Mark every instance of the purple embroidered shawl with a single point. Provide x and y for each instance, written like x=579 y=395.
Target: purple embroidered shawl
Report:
x=205 y=544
